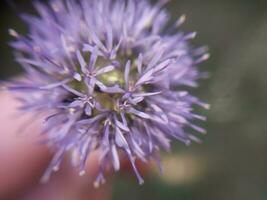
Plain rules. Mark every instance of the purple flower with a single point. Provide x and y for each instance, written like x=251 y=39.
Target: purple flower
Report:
x=112 y=77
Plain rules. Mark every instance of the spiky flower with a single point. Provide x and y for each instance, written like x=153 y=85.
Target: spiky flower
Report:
x=112 y=77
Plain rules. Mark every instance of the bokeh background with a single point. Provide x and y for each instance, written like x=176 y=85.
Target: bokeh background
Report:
x=231 y=164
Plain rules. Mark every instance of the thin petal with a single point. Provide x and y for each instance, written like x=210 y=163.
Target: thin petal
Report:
x=120 y=139
x=126 y=73
x=139 y=113
x=139 y=63
x=71 y=90
x=93 y=58
x=113 y=89
x=121 y=125
x=88 y=110
x=145 y=94
x=54 y=85
x=115 y=158
x=81 y=61
x=105 y=69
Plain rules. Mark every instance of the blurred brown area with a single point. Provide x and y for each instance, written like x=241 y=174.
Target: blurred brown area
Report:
x=231 y=163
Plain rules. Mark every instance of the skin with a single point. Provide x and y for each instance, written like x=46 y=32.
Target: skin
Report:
x=23 y=161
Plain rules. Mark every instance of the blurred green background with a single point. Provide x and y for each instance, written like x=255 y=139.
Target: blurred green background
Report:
x=231 y=164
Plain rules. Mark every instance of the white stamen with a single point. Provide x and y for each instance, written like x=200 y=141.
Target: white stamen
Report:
x=13 y=33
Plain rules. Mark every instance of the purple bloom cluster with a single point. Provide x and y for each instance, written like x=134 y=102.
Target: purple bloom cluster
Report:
x=112 y=77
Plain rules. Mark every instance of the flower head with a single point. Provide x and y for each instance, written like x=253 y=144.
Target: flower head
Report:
x=112 y=76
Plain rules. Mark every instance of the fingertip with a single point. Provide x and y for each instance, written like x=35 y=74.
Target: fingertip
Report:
x=21 y=158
